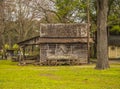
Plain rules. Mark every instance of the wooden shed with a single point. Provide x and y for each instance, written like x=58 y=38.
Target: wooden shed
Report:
x=114 y=47
x=62 y=43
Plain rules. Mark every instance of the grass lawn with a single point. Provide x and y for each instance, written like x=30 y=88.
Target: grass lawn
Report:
x=58 y=77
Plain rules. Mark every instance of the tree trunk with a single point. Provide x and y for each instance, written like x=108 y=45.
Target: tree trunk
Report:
x=102 y=39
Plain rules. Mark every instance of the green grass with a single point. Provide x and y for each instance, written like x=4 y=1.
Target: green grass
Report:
x=58 y=77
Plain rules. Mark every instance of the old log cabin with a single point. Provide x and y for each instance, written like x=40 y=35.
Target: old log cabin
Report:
x=61 y=44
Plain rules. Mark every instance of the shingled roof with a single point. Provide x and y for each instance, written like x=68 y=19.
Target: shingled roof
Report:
x=60 y=33
x=114 y=40
x=63 y=30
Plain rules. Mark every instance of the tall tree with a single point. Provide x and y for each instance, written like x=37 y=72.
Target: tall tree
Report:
x=114 y=17
x=102 y=39
x=71 y=10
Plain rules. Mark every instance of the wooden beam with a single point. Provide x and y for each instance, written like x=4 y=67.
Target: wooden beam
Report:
x=24 y=55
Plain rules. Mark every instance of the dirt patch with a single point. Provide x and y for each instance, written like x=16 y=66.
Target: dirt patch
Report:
x=51 y=76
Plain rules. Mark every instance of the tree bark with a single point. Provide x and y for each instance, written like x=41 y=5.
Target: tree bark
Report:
x=102 y=38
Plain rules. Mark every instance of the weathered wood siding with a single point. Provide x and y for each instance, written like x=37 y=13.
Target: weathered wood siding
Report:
x=114 y=52
x=74 y=51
